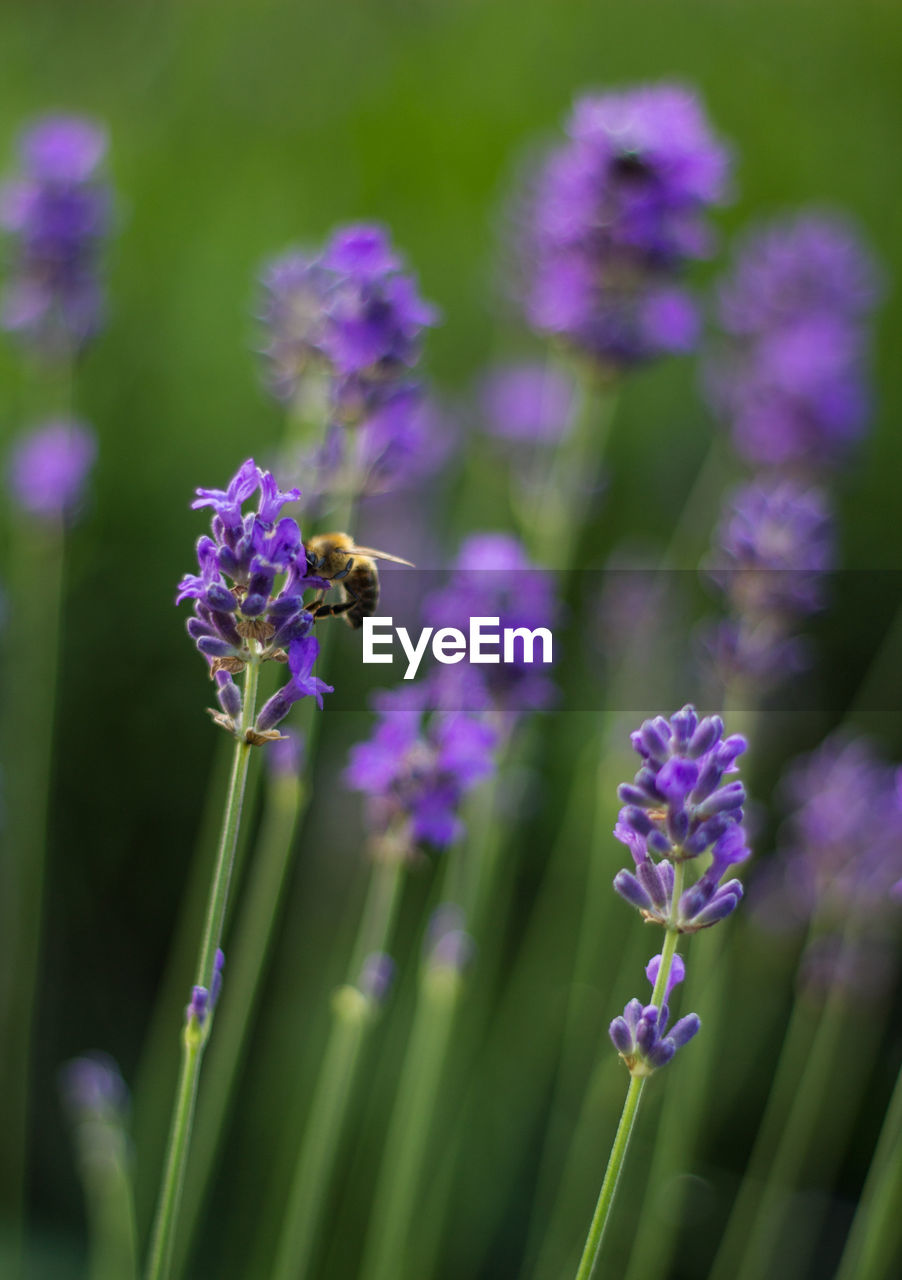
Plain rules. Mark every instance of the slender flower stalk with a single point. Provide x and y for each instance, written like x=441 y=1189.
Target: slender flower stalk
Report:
x=387 y=1251
x=248 y=608
x=355 y=1008
x=286 y=796
x=414 y=771
x=873 y=1240
x=677 y=808
x=839 y=867
x=47 y=473
x=97 y=1101
x=199 y=1011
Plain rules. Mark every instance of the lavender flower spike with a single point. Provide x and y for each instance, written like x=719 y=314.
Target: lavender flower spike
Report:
x=249 y=599
x=774 y=548
x=678 y=807
x=48 y=468
x=616 y=212
x=790 y=379
x=641 y=1035
x=416 y=769
x=56 y=212
x=349 y=315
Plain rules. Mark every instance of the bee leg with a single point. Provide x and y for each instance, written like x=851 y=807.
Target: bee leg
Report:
x=320 y=610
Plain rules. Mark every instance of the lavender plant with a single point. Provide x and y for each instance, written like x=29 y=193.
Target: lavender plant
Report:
x=616 y=213
x=97 y=1101
x=838 y=870
x=677 y=808
x=415 y=770
x=248 y=609
x=57 y=212
x=342 y=336
x=772 y=550
x=611 y=219
x=47 y=474
x=791 y=378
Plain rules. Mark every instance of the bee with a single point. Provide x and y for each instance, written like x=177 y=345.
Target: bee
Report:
x=353 y=570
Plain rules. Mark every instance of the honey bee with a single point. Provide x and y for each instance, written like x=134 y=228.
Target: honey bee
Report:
x=353 y=570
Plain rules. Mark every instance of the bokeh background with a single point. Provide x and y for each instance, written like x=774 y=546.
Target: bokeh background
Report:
x=240 y=128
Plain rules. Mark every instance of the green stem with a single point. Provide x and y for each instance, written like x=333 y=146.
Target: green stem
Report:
x=873 y=1241
x=625 y=1128
x=611 y=1178
x=795 y=1137
x=785 y=1130
x=248 y=953
x=194 y=1036
x=353 y=1014
x=554 y=531
x=796 y=1044
x=28 y=738
x=387 y=1250
x=685 y=1094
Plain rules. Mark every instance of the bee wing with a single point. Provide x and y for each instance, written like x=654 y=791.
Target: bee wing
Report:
x=373 y=554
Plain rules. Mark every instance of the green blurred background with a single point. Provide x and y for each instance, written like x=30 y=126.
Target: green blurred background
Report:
x=238 y=128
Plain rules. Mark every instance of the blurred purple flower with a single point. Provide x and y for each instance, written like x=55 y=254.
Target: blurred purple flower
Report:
x=92 y=1087
x=404 y=441
x=616 y=212
x=448 y=947
x=48 y=468
x=286 y=755
x=249 y=597
x=839 y=862
x=377 y=976
x=527 y=403
x=641 y=1036
x=773 y=549
x=349 y=315
x=57 y=212
x=791 y=378
x=494 y=577
x=417 y=767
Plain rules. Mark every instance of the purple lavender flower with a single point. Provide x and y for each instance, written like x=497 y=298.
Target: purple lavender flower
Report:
x=677 y=808
x=791 y=378
x=286 y=755
x=402 y=442
x=448 y=948
x=350 y=316
x=417 y=767
x=616 y=212
x=203 y=1000
x=641 y=1036
x=839 y=862
x=92 y=1087
x=48 y=468
x=249 y=598
x=527 y=403
x=493 y=577
x=841 y=850
x=377 y=977
x=773 y=549
x=57 y=212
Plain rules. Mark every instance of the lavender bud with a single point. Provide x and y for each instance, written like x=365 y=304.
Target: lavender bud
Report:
x=629 y=888
x=377 y=977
